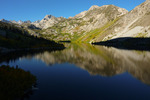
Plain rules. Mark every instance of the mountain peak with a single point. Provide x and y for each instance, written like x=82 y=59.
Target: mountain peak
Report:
x=36 y=21
x=148 y=1
x=20 y=22
x=93 y=7
x=49 y=16
x=28 y=21
x=6 y=21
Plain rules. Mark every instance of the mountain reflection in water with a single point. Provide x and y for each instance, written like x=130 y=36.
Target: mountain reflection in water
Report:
x=100 y=60
x=86 y=72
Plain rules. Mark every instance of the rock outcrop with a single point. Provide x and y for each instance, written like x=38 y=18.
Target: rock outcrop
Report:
x=47 y=22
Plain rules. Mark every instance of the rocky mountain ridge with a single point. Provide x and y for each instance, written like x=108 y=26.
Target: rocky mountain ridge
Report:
x=15 y=22
x=48 y=21
x=74 y=27
x=94 y=25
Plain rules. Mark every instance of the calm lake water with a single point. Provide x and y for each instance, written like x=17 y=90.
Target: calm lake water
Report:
x=86 y=72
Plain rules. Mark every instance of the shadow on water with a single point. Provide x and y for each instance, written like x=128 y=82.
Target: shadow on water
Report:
x=127 y=43
x=13 y=56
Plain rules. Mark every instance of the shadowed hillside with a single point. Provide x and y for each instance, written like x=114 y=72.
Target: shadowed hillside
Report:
x=127 y=43
x=13 y=37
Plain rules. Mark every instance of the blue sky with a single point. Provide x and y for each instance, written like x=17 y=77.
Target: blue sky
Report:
x=37 y=9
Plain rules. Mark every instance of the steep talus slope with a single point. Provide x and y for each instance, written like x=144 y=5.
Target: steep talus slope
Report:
x=136 y=23
x=97 y=17
x=98 y=20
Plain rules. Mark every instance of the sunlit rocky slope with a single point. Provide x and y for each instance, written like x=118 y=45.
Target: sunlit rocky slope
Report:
x=94 y=25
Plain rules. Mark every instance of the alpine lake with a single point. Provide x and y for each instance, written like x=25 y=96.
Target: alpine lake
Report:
x=86 y=72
